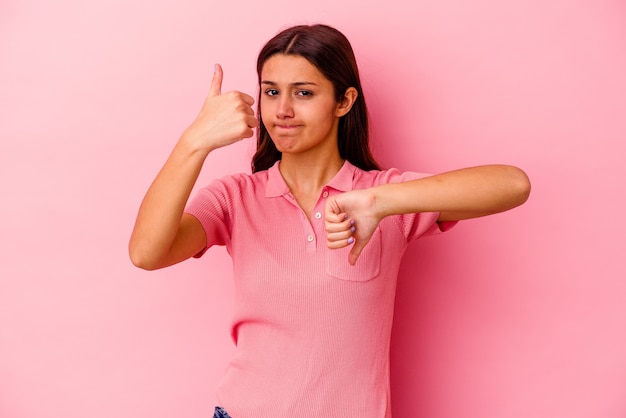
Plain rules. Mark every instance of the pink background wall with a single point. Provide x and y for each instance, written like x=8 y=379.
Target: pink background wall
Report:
x=518 y=315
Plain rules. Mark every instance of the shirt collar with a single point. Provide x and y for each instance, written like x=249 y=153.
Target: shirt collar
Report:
x=276 y=185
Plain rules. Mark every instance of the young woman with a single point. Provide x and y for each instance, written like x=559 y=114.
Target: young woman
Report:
x=316 y=233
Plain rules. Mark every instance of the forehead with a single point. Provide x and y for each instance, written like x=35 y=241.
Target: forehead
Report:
x=281 y=68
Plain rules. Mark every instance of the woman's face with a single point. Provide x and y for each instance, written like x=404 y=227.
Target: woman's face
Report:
x=298 y=106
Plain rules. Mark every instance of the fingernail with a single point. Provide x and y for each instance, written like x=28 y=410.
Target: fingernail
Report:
x=351 y=221
x=353 y=229
x=215 y=68
x=345 y=216
x=350 y=240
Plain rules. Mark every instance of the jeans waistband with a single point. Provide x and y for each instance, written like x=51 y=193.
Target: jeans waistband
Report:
x=220 y=413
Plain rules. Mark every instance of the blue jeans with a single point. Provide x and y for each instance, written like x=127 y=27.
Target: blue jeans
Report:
x=220 y=413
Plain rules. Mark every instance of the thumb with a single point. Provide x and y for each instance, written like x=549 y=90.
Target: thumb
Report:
x=356 y=251
x=216 y=83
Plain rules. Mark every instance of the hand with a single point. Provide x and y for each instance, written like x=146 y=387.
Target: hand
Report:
x=224 y=118
x=351 y=218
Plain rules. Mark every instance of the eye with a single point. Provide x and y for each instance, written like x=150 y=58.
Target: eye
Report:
x=304 y=93
x=271 y=92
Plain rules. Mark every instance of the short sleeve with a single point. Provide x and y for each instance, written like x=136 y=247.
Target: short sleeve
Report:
x=212 y=206
x=416 y=225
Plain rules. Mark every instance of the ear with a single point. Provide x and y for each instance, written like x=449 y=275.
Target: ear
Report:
x=344 y=106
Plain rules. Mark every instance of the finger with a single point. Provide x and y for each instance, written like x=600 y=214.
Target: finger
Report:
x=247 y=99
x=339 y=236
x=241 y=98
x=355 y=252
x=248 y=110
x=249 y=133
x=336 y=221
x=333 y=214
x=332 y=211
x=339 y=226
x=216 y=83
x=339 y=244
x=249 y=122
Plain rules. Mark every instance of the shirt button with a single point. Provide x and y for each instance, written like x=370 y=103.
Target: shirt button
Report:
x=318 y=215
x=325 y=194
x=310 y=238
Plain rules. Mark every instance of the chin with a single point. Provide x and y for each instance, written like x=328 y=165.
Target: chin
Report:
x=285 y=144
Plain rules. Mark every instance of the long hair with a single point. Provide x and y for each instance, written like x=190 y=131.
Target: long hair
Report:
x=330 y=51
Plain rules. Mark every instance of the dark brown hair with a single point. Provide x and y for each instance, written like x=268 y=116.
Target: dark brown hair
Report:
x=330 y=51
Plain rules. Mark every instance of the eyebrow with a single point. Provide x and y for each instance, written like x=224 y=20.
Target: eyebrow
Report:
x=296 y=84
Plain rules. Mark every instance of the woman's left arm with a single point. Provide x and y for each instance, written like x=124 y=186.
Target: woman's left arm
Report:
x=353 y=216
x=456 y=195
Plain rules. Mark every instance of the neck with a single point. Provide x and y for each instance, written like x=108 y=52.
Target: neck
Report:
x=305 y=175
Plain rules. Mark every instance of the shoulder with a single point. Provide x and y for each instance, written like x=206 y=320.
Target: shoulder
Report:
x=238 y=182
x=228 y=194
x=372 y=178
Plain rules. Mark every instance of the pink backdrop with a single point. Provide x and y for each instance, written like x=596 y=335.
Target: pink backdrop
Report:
x=517 y=315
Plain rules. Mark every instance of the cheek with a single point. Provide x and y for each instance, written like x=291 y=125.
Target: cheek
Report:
x=324 y=117
x=266 y=111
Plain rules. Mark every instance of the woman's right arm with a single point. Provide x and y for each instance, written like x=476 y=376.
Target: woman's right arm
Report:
x=163 y=235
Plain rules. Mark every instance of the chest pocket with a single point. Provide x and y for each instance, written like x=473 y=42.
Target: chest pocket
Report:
x=367 y=265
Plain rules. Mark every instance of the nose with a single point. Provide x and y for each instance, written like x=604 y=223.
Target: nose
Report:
x=285 y=107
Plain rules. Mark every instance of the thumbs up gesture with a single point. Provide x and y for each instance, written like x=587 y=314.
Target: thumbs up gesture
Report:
x=224 y=118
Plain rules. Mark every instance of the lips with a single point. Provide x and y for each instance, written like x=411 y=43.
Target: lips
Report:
x=286 y=126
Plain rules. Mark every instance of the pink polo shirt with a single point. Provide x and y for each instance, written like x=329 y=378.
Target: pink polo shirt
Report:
x=312 y=332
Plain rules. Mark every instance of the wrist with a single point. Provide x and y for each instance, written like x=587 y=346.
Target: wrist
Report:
x=375 y=202
x=190 y=144
x=383 y=200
